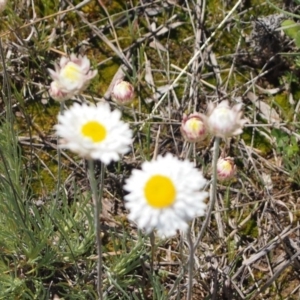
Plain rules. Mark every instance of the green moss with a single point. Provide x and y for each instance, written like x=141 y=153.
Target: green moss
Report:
x=260 y=142
x=250 y=228
x=92 y=9
x=44 y=179
x=105 y=76
x=46 y=7
x=282 y=101
x=231 y=249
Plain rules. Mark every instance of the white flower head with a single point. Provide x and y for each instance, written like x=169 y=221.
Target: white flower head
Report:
x=165 y=194
x=194 y=127
x=57 y=94
x=73 y=74
x=225 y=121
x=226 y=168
x=94 y=132
x=123 y=92
x=2 y=5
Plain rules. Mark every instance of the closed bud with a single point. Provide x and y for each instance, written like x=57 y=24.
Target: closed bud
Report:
x=226 y=168
x=57 y=94
x=123 y=92
x=194 y=127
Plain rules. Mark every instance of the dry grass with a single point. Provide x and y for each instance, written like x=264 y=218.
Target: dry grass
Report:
x=179 y=55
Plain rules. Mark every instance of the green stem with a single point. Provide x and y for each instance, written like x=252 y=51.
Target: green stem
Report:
x=97 y=197
x=153 y=248
x=61 y=111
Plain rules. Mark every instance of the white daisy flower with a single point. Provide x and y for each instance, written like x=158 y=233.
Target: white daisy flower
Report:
x=165 y=194
x=94 y=132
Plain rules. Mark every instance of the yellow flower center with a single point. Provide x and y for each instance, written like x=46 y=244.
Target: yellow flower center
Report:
x=94 y=130
x=160 y=191
x=71 y=71
x=226 y=166
x=224 y=114
x=194 y=125
x=124 y=86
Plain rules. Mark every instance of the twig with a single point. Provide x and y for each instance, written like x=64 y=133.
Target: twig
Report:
x=276 y=275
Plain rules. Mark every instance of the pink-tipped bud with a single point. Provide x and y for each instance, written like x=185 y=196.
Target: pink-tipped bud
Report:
x=57 y=94
x=123 y=92
x=226 y=168
x=194 y=127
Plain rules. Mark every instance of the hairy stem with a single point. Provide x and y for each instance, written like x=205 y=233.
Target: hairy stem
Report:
x=97 y=201
x=58 y=186
x=213 y=188
x=190 y=266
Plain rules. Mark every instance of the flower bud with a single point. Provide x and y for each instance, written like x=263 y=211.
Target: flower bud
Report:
x=225 y=121
x=226 y=168
x=57 y=94
x=123 y=92
x=194 y=127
